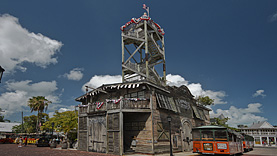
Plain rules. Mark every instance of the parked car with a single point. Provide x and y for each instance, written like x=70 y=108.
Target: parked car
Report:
x=43 y=142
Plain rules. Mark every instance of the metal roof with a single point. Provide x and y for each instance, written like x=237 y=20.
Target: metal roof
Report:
x=7 y=126
x=119 y=86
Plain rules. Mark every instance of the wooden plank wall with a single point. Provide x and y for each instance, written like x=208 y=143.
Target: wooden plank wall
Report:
x=113 y=137
x=82 y=141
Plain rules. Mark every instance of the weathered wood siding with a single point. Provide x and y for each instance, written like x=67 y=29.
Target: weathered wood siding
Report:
x=82 y=141
x=113 y=138
x=97 y=134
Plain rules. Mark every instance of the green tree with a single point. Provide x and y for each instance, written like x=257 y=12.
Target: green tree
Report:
x=222 y=122
x=205 y=100
x=63 y=122
x=30 y=122
x=39 y=104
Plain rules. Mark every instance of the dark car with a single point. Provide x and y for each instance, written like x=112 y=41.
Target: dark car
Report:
x=43 y=142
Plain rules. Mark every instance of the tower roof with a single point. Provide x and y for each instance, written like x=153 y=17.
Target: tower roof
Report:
x=136 y=21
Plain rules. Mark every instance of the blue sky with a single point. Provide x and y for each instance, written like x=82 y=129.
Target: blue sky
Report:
x=222 y=48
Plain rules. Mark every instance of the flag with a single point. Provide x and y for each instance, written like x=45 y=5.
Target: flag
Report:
x=146 y=8
x=99 y=105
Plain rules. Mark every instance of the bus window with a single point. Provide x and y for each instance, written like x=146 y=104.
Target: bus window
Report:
x=196 y=135
x=207 y=135
x=220 y=135
x=230 y=136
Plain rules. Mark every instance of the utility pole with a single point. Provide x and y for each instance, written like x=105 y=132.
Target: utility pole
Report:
x=22 y=128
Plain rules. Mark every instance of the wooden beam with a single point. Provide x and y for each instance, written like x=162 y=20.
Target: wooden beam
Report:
x=134 y=52
x=130 y=54
x=122 y=49
x=146 y=48
x=121 y=141
x=134 y=38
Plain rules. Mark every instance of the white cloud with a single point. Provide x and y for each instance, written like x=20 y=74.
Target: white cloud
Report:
x=75 y=74
x=273 y=17
x=15 y=100
x=60 y=108
x=176 y=80
x=98 y=80
x=63 y=109
x=196 y=88
x=172 y=80
x=259 y=93
x=241 y=116
x=18 y=45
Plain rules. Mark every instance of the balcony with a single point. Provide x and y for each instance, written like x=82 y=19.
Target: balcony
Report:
x=127 y=104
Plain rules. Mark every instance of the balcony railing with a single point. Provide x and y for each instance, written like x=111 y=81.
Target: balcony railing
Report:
x=126 y=104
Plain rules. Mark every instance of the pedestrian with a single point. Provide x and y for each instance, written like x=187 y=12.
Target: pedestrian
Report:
x=17 y=140
x=26 y=141
x=20 y=141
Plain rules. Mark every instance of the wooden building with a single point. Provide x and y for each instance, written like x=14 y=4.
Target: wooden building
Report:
x=114 y=115
x=132 y=116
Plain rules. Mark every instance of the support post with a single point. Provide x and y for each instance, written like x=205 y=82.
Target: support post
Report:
x=170 y=144
x=146 y=48
x=122 y=49
x=164 y=67
x=121 y=127
x=22 y=128
x=152 y=120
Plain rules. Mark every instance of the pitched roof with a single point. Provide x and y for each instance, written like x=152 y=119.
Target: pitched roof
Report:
x=263 y=124
x=134 y=84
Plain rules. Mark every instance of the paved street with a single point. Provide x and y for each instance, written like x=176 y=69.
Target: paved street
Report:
x=14 y=150
x=32 y=150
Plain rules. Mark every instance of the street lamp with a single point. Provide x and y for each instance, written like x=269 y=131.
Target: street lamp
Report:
x=170 y=145
x=1 y=73
x=52 y=128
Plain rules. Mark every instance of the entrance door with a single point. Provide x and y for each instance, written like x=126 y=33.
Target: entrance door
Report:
x=97 y=134
x=187 y=136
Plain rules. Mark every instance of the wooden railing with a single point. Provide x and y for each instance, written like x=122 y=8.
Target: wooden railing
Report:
x=126 y=104
x=135 y=34
x=129 y=104
x=83 y=110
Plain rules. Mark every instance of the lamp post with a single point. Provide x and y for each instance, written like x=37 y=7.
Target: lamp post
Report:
x=52 y=128
x=1 y=73
x=170 y=145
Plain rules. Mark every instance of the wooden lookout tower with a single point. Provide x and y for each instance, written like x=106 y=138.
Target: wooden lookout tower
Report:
x=143 y=50
x=132 y=116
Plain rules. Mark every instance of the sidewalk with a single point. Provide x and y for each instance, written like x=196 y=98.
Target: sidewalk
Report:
x=166 y=154
x=140 y=154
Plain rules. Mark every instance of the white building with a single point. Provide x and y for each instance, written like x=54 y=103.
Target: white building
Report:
x=263 y=132
x=6 y=127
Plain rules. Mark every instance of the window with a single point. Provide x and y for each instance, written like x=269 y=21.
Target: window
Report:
x=207 y=135
x=139 y=94
x=196 y=135
x=220 y=135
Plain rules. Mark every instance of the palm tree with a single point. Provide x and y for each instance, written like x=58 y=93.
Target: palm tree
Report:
x=40 y=104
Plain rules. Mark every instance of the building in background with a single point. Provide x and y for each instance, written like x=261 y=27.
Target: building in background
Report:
x=6 y=128
x=263 y=132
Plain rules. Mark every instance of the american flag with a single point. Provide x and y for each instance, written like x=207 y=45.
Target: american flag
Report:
x=146 y=8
